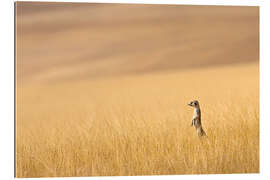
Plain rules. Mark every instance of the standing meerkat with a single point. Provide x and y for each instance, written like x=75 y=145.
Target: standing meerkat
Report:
x=196 y=120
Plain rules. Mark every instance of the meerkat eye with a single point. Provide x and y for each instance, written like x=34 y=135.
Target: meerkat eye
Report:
x=195 y=103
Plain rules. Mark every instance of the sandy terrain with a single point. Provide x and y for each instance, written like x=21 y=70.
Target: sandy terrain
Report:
x=97 y=40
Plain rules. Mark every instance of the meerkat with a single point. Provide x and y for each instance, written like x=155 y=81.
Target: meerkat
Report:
x=196 y=120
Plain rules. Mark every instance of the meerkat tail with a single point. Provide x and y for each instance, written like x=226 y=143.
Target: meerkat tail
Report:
x=201 y=132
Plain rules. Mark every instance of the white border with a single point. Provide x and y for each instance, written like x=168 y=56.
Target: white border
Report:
x=7 y=87
x=187 y=2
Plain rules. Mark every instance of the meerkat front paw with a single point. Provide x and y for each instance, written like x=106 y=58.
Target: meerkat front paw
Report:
x=192 y=122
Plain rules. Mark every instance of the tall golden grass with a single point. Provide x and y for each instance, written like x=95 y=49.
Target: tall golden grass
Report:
x=140 y=124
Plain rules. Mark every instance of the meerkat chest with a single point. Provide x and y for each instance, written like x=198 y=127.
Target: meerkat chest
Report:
x=196 y=114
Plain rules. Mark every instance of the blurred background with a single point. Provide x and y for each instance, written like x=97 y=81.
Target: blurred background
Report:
x=71 y=41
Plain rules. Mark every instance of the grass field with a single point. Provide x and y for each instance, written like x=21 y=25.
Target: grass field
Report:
x=102 y=89
x=140 y=125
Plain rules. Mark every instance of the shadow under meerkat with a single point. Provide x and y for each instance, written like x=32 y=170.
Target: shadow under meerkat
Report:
x=196 y=120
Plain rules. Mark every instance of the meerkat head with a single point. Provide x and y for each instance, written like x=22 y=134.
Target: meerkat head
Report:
x=194 y=103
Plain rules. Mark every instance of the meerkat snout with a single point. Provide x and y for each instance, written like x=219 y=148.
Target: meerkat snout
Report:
x=194 y=103
x=196 y=120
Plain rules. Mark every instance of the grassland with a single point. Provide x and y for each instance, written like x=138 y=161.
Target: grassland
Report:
x=102 y=89
x=140 y=124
